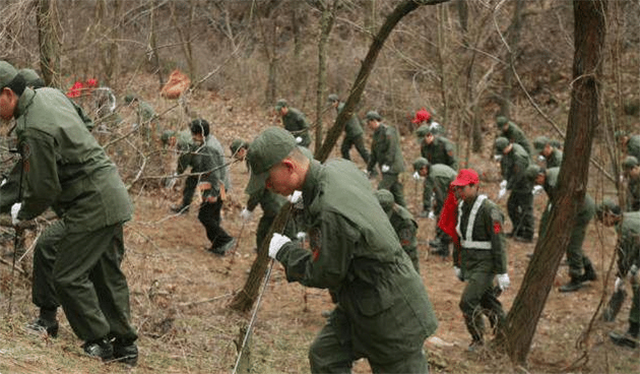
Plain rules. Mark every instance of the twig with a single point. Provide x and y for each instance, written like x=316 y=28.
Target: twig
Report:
x=9 y=264
x=190 y=303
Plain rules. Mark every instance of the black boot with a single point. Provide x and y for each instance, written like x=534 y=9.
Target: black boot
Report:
x=125 y=351
x=99 y=348
x=573 y=285
x=589 y=273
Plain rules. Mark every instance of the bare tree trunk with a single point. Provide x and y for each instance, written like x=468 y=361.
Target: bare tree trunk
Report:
x=48 y=38
x=184 y=33
x=112 y=67
x=152 y=52
x=513 y=39
x=326 y=24
x=589 y=35
x=243 y=301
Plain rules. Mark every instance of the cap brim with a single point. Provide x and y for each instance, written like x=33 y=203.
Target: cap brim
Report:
x=256 y=183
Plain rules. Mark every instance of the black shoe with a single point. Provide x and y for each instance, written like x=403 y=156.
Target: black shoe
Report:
x=223 y=249
x=572 y=286
x=589 y=274
x=623 y=340
x=99 y=348
x=41 y=326
x=180 y=209
x=125 y=352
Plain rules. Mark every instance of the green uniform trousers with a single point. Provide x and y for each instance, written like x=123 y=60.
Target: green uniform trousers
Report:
x=520 y=209
x=84 y=269
x=576 y=259
x=358 y=142
x=392 y=183
x=480 y=297
x=331 y=352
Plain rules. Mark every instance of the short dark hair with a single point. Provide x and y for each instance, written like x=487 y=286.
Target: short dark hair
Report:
x=17 y=84
x=199 y=127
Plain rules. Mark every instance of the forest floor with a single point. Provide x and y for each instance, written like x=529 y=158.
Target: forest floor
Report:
x=180 y=293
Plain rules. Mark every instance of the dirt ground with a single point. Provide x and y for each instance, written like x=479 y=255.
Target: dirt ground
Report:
x=180 y=293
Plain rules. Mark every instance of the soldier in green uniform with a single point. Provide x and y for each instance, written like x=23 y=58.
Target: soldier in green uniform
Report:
x=513 y=133
x=513 y=164
x=436 y=149
x=630 y=143
x=383 y=312
x=63 y=167
x=146 y=117
x=403 y=223
x=353 y=132
x=438 y=177
x=424 y=118
x=31 y=78
x=239 y=149
x=577 y=260
x=480 y=257
x=387 y=153
x=627 y=226
x=295 y=122
x=545 y=148
x=182 y=143
x=632 y=174
x=208 y=162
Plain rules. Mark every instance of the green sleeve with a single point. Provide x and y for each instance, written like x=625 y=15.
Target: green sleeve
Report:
x=41 y=186
x=326 y=265
x=494 y=225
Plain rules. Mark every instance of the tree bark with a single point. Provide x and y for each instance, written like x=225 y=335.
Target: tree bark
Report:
x=326 y=24
x=244 y=300
x=47 y=21
x=152 y=52
x=513 y=39
x=589 y=35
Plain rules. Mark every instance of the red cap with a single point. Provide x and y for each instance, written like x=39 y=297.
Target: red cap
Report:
x=421 y=116
x=466 y=177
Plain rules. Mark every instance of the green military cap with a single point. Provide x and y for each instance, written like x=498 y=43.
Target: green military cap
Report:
x=282 y=103
x=630 y=162
x=7 y=73
x=501 y=144
x=269 y=148
x=129 y=98
x=166 y=135
x=608 y=206
x=619 y=134
x=419 y=163
x=423 y=130
x=501 y=121
x=236 y=144
x=31 y=78
x=385 y=198
x=333 y=98
x=533 y=171
x=540 y=142
x=372 y=114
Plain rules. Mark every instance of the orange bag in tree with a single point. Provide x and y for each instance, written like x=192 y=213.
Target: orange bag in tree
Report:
x=177 y=84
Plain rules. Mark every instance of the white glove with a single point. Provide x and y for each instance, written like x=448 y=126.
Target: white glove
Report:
x=619 y=285
x=503 y=281
x=277 y=241
x=633 y=271
x=497 y=158
x=298 y=139
x=541 y=159
x=536 y=190
x=458 y=272
x=621 y=178
x=245 y=214
x=301 y=235
x=385 y=168
x=502 y=192
x=4 y=180
x=503 y=185
x=294 y=197
x=431 y=215
x=416 y=176
x=15 y=208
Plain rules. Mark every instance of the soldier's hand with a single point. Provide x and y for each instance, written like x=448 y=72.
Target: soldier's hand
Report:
x=503 y=281
x=385 y=168
x=276 y=243
x=502 y=192
x=416 y=176
x=458 y=273
x=15 y=209
x=295 y=197
x=298 y=139
x=497 y=157
x=618 y=285
x=431 y=215
x=245 y=214
x=301 y=235
x=536 y=190
x=503 y=185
